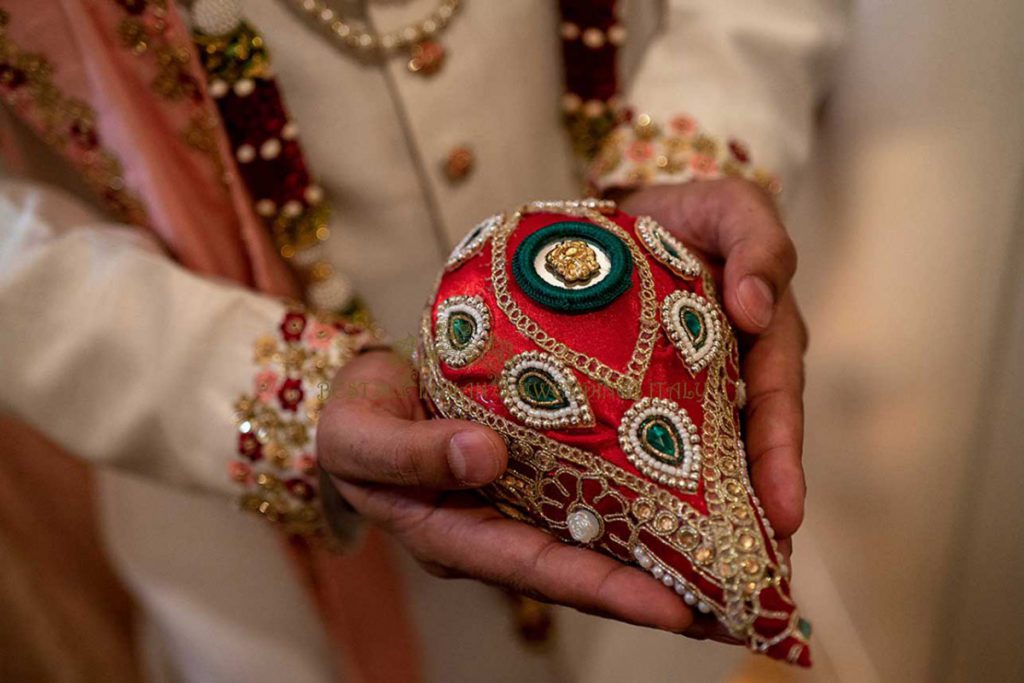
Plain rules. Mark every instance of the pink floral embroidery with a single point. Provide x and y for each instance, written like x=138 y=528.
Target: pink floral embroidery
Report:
x=306 y=464
x=266 y=385
x=639 y=151
x=239 y=471
x=703 y=165
x=320 y=335
x=683 y=125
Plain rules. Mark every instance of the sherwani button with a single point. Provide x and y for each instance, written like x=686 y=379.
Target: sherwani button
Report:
x=459 y=163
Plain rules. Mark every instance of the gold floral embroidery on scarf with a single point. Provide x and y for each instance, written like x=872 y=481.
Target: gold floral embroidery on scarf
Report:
x=65 y=123
x=144 y=31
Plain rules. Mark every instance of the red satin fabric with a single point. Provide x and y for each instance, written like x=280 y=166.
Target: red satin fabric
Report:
x=612 y=344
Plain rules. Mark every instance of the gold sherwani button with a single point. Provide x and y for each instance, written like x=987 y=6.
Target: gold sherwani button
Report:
x=459 y=163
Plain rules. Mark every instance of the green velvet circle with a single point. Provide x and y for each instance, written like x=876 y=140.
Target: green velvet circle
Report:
x=582 y=299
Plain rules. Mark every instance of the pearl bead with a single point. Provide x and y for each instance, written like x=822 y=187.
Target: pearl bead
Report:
x=593 y=38
x=584 y=526
x=245 y=153
x=266 y=207
x=313 y=194
x=571 y=102
x=244 y=87
x=570 y=31
x=593 y=108
x=270 y=149
x=218 y=89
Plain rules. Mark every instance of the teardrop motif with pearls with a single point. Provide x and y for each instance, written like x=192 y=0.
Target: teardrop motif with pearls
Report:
x=661 y=441
x=694 y=327
x=541 y=392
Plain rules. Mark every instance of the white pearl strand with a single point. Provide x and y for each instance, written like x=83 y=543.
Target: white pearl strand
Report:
x=353 y=36
x=647 y=562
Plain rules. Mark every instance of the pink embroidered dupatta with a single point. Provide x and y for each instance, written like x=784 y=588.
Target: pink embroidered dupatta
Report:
x=141 y=130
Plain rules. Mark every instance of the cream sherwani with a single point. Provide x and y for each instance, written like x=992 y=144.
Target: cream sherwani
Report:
x=127 y=360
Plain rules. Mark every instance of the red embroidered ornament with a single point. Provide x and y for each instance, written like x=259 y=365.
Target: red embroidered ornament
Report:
x=593 y=342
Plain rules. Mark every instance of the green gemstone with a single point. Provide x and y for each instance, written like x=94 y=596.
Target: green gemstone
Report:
x=662 y=440
x=805 y=627
x=672 y=251
x=461 y=329
x=540 y=390
x=694 y=324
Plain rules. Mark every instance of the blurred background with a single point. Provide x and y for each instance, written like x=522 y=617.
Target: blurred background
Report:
x=910 y=226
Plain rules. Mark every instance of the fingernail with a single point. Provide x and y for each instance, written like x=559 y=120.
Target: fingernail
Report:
x=472 y=458
x=756 y=300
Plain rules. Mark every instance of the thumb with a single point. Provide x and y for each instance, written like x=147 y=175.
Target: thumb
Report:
x=374 y=436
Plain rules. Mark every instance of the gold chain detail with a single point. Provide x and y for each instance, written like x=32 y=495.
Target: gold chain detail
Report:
x=627 y=384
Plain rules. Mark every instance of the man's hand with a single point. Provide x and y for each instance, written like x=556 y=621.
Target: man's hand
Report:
x=734 y=227
x=411 y=475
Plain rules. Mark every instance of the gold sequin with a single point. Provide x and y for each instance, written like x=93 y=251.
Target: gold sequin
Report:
x=665 y=522
x=644 y=509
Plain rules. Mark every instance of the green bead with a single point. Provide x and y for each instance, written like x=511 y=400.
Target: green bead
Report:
x=662 y=439
x=540 y=391
x=461 y=329
x=805 y=627
x=694 y=326
x=672 y=251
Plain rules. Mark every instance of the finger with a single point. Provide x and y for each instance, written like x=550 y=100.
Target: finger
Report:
x=736 y=221
x=773 y=369
x=369 y=436
x=482 y=544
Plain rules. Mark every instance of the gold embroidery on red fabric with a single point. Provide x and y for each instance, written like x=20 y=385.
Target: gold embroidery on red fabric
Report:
x=547 y=478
